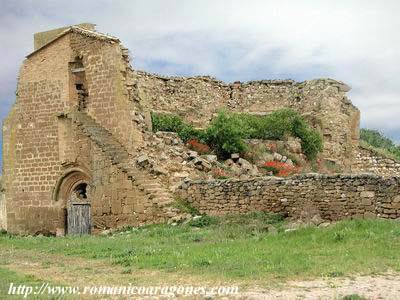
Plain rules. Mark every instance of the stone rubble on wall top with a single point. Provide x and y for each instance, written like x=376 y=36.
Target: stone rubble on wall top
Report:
x=297 y=177
x=320 y=81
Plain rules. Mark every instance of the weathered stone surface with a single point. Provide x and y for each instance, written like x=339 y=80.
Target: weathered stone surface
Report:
x=294 y=145
x=367 y=194
x=160 y=170
x=210 y=158
x=192 y=154
x=244 y=164
x=235 y=156
x=369 y=161
x=142 y=160
x=277 y=156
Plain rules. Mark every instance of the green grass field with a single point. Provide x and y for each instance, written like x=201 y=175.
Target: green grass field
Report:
x=237 y=248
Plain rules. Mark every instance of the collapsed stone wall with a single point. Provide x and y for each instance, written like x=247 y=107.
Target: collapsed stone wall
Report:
x=369 y=161
x=116 y=202
x=332 y=197
x=197 y=99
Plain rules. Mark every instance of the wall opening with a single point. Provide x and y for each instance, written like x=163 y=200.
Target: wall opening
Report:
x=79 y=83
x=72 y=193
x=79 y=211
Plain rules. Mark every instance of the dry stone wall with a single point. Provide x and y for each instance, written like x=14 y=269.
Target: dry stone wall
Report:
x=332 y=197
x=369 y=161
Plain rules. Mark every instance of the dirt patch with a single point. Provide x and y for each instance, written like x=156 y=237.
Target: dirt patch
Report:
x=382 y=286
x=80 y=272
x=75 y=271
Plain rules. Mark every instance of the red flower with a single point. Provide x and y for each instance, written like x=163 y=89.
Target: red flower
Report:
x=281 y=169
x=199 y=147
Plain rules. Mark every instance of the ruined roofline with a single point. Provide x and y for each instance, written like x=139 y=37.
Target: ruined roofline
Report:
x=343 y=87
x=79 y=30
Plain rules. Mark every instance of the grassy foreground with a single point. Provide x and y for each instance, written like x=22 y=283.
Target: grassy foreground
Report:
x=237 y=248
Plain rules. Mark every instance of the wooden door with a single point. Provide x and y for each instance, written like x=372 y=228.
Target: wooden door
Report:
x=79 y=219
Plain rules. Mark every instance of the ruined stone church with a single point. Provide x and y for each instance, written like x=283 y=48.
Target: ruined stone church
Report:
x=79 y=152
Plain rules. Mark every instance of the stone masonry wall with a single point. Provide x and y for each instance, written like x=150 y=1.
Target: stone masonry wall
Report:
x=323 y=102
x=41 y=146
x=332 y=197
x=369 y=161
x=3 y=212
x=116 y=201
x=108 y=101
x=30 y=139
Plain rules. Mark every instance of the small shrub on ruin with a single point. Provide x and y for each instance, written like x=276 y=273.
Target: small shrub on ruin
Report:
x=173 y=123
x=378 y=141
x=169 y=123
x=225 y=134
x=279 y=125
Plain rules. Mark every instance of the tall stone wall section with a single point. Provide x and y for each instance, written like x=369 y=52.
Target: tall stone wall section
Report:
x=105 y=70
x=332 y=197
x=197 y=99
x=37 y=139
x=369 y=161
x=30 y=138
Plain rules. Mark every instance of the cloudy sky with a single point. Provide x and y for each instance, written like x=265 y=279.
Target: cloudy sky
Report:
x=357 y=42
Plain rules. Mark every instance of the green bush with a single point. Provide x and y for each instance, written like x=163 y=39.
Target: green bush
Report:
x=172 y=123
x=376 y=139
x=166 y=123
x=226 y=132
x=311 y=140
x=280 y=125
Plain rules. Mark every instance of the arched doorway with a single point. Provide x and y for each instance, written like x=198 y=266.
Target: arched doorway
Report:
x=72 y=193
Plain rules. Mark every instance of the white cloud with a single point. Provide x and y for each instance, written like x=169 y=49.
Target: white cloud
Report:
x=354 y=41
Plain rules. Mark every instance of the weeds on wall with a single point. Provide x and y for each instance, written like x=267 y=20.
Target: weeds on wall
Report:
x=379 y=142
x=227 y=131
